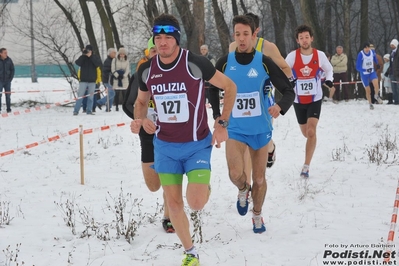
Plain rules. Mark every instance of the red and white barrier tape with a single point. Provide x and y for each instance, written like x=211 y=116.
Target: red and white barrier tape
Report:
x=346 y=82
x=35 y=91
x=57 y=137
x=40 y=108
x=391 y=234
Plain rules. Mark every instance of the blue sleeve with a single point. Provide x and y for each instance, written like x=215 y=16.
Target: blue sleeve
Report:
x=359 y=62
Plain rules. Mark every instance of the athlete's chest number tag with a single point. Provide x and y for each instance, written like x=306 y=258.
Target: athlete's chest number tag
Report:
x=247 y=105
x=172 y=108
x=306 y=87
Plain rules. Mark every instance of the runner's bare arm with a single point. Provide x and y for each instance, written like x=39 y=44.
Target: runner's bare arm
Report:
x=141 y=104
x=221 y=81
x=271 y=50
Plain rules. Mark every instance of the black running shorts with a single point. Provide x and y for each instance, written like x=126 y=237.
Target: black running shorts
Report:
x=305 y=111
x=147 y=146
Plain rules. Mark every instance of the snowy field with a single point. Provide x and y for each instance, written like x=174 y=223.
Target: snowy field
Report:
x=344 y=208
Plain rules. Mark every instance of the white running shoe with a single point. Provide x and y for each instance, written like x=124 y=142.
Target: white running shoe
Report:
x=378 y=99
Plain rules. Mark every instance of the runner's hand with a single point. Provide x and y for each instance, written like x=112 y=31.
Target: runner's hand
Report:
x=149 y=126
x=135 y=126
x=274 y=110
x=219 y=135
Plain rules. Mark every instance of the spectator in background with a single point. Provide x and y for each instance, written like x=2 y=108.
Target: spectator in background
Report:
x=96 y=95
x=326 y=89
x=149 y=53
x=7 y=72
x=107 y=79
x=120 y=69
x=394 y=71
x=205 y=52
x=386 y=80
x=378 y=69
x=365 y=65
x=339 y=61
x=144 y=58
x=88 y=63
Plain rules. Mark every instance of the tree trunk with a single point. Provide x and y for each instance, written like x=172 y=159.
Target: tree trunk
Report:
x=327 y=26
x=165 y=7
x=347 y=49
x=310 y=16
x=199 y=18
x=293 y=21
x=234 y=7
x=89 y=25
x=151 y=10
x=244 y=8
x=364 y=21
x=279 y=19
x=109 y=39
x=395 y=5
x=73 y=24
x=192 y=33
x=337 y=32
x=113 y=24
x=222 y=28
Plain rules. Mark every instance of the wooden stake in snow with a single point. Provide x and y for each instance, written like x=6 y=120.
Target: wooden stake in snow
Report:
x=82 y=167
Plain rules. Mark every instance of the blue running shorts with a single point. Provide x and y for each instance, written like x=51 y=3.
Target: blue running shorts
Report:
x=254 y=141
x=181 y=158
x=367 y=78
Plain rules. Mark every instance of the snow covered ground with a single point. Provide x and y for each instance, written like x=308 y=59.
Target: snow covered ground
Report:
x=345 y=206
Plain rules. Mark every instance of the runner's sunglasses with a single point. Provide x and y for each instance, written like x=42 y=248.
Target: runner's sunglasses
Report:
x=166 y=29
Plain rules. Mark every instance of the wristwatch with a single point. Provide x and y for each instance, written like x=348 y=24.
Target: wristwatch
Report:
x=223 y=123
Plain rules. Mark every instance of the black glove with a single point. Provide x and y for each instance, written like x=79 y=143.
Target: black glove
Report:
x=329 y=83
x=369 y=70
x=378 y=66
x=292 y=81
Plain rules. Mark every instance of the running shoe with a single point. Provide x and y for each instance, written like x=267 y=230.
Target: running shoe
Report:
x=371 y=107
x=378 y=99
x=272 y=157
x=190 y=260
x=243 y=200
x=167 y=225
x=305 y=172
x=259 y=225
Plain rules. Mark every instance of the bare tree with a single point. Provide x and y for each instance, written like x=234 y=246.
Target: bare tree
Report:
x=293 y=21
x=310 y=16
x=222 y=28
x=328 y=25
x=3 y=7
x=234 y=7
x=89 y=26
x=364 y=21
x=188 y=21
x=71 y=21
x=279 y=16
x=244 y=8
x=199 y=19
x=151 y=10
x=395 y=7
x=112 y=23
